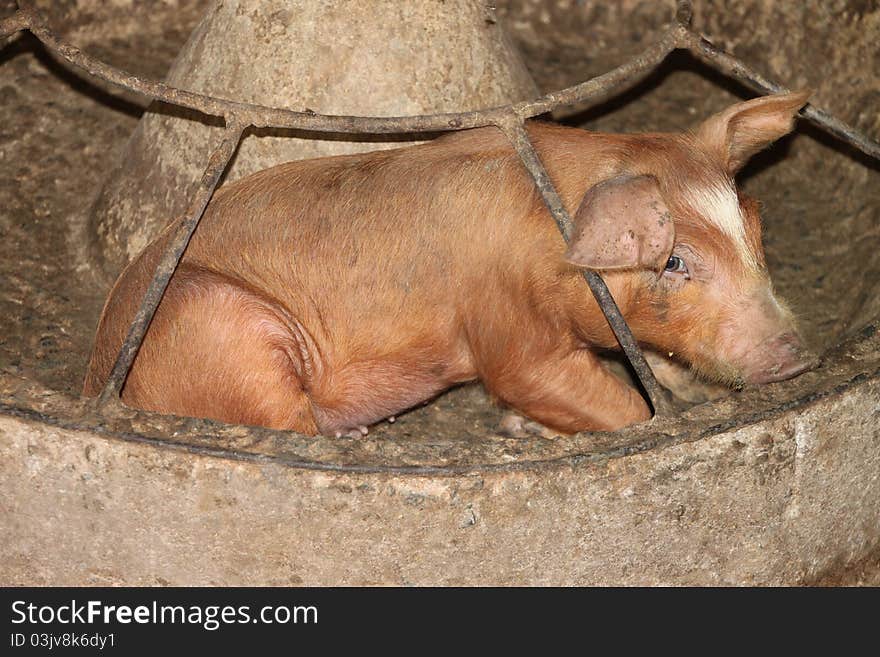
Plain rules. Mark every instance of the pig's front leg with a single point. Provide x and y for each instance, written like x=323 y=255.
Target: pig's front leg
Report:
x=568 y=391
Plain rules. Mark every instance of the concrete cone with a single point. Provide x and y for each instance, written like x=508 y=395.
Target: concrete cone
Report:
x=371 y=57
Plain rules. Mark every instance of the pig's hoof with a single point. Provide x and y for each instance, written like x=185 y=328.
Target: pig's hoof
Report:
x=514 y=425
x=358 y=432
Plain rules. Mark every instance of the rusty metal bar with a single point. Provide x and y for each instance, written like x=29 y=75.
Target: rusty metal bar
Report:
x=515 y=130
x=678 y=35
x=594 y=90
x=20 y=20
x=732 y=67
x=165 y=269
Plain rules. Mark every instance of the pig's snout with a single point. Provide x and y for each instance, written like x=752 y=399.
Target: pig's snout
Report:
x=782 y=357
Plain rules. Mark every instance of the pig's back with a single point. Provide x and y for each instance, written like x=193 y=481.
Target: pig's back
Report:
x=371 y=242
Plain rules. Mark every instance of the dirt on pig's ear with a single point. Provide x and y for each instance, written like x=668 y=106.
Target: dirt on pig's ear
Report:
x=622 y=223
x=740 y=131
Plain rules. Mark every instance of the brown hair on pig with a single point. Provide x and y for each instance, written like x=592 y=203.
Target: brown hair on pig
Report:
x=326 y=295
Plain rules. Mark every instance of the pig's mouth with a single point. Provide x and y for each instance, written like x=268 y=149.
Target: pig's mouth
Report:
x=778 y=359
x=783 y=371
x=783 y=357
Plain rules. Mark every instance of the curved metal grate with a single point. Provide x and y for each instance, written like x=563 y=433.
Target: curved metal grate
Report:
x=678 y=35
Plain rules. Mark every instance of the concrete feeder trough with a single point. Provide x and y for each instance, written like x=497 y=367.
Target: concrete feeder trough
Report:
x=772 y=485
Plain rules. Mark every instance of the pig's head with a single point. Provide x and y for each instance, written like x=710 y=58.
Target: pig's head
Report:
x=681 y=247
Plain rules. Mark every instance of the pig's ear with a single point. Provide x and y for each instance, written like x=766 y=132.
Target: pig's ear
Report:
x=622 y=223
x=742 y=130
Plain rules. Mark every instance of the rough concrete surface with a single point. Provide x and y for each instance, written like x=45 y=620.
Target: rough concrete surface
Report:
x=778 y=502
x=771 y=485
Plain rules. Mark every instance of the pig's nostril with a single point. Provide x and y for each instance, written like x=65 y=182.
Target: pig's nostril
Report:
x=787 y=369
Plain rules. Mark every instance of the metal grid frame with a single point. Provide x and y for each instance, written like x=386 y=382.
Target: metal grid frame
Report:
x=510 y=119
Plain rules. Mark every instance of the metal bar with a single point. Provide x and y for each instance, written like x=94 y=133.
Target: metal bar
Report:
x=20 y=20
x=515 y=130
x=594 y=90
x=589 y=92
x=732 y=67
x=165 y=269
x=601 y=87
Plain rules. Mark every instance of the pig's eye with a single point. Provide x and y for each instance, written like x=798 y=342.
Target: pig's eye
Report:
x=675 y=265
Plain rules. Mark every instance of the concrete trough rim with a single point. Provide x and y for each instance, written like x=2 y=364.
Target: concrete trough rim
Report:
x=644 y=438
x=790 y=500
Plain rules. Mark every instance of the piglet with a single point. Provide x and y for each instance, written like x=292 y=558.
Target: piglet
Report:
x=325 y=295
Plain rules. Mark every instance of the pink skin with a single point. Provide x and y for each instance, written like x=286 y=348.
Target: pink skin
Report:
x=732 y=326
x=761 y=341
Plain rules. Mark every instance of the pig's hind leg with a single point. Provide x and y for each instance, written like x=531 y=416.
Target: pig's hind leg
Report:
x=216 y=349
